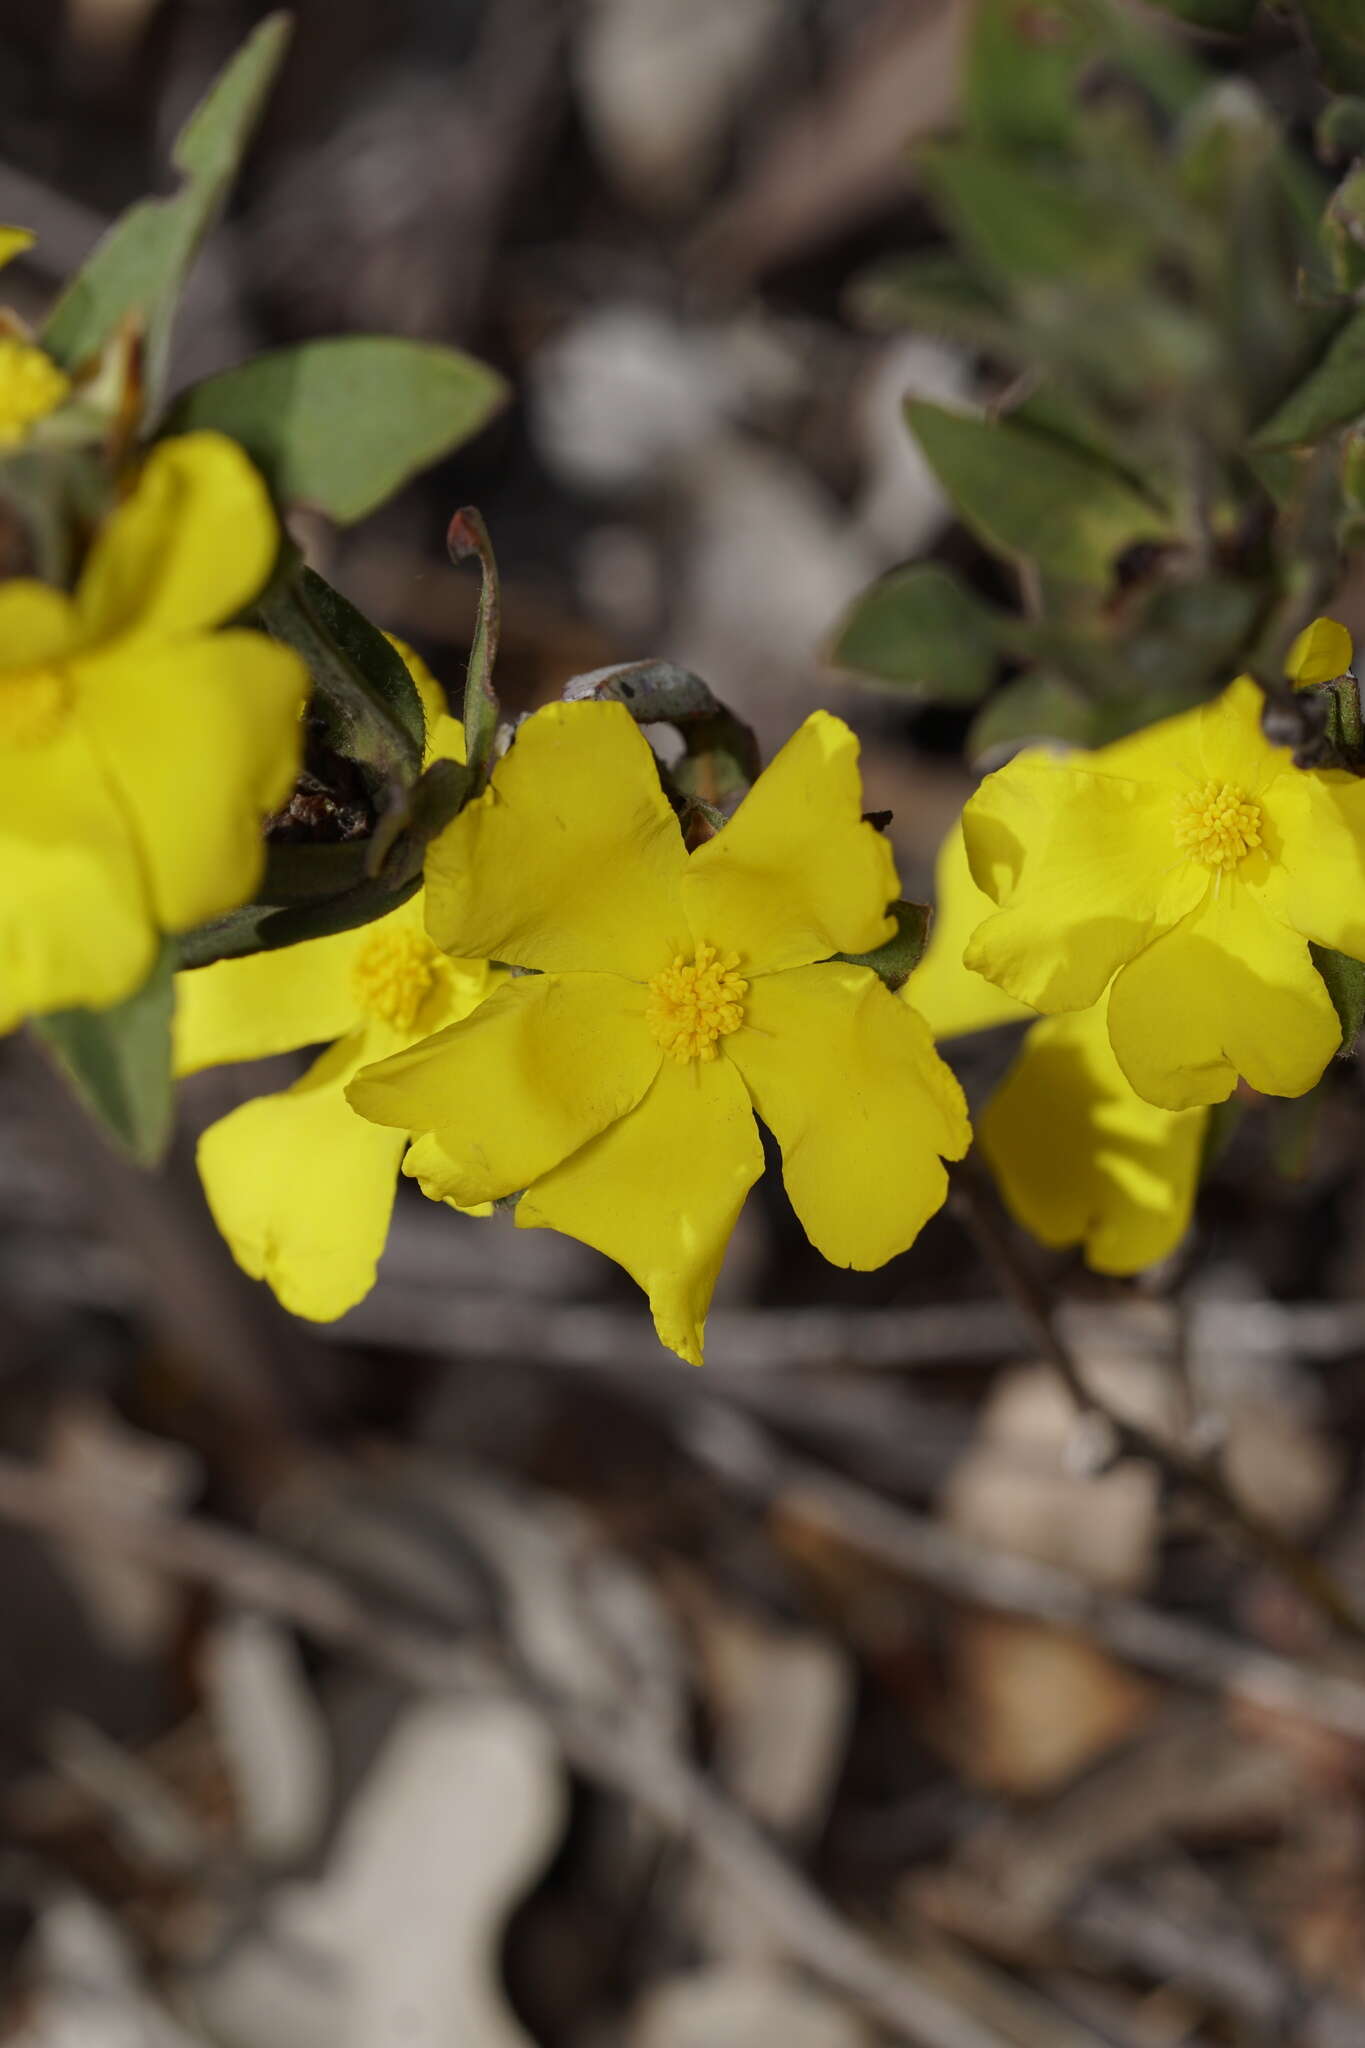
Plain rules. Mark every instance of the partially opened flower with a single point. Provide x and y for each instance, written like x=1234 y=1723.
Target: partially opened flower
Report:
x=1078 y=1156
x=300 y=1186
x=31 y=384
x=140 y=749
x=672 y=997
x=1191 y=865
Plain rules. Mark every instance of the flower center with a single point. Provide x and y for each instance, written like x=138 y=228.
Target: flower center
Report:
x=1217 y=824
x=695 y=1002
x=31 y=386
x=393 y=976
x=33 y=705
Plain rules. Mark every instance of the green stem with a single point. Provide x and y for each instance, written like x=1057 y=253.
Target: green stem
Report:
x=359 y=724
x=467 y=535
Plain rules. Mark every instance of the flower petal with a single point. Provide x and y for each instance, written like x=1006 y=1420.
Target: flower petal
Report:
x=571 y=860
x=1229 y=992
x=13 y=242
x=37 y=624
x=1321 y=653
x=660 y=1190
x=202 y=739
x=194 y=542
x=302 y=1188
x=796 y=875
x=75 y=925
x=1080 y=1158
x=267 y=1002
x=1317 y=880
x=1087 y=870
x=847 y=1080
x=949 y=997
x=542 y=1066
x=1232 y=746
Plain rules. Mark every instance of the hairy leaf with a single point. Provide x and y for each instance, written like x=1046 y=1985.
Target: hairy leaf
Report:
x=1030 y=496
x=1337 y=28
x=1024 y=61
x=1345 y=979
x=341 y=424
x=1034 y=707
x=138 y=269
x=1332 y=395
x=898 y=958
x=118 y=1062
x=922 y=629
x=1233 y=17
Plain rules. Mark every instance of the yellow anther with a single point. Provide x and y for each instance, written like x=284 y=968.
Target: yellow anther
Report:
x=1217 y=824
x=31 y=386
x=33 y=705
x=695 y=1002
x=393 y=976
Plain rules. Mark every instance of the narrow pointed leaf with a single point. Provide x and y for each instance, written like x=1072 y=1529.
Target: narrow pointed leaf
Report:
x=118 y=1062
x=139 y=268
x=1028 y=495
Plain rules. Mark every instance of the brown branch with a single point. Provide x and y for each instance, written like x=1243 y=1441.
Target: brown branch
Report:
x=616 y=1751
x=1201 y=1475
x=746 y=1458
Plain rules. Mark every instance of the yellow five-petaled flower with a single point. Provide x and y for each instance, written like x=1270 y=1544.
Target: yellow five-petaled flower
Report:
x=1189 y=866
x=139 y=748
x=672 y=997
x=1078 y=1156
x=300 y=1186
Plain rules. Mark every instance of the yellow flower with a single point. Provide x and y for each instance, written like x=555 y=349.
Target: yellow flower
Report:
x=950 y=998
x=1078 y=1156
x=31 y=384
x=1191 y=865
x=300 y=1186
x=1321 y=653
x=139 y=749
x=674 y=997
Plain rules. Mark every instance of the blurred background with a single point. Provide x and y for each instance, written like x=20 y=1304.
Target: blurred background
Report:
x=471 y=1672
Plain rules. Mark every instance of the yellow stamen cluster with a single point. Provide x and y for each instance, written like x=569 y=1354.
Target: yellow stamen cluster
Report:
x=393 y=976
x=31 y=386
x=1217 y=824
x=33 y=705
x=695 y=1002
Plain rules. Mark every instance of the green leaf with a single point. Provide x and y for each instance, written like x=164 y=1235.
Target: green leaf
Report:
x=1337 y=29
x=1025 y=222
x=362 y=690
x=341 y=424
x=1233 y=17
x=119 y=1062
x=1034 y=707
x=263 y=927
x=935 y=292
x=140 y=266
x=1331 y=395
x=1345 y=979
x=1030 y=496
x=923 y=630
x=1024 y=60
x=1340 y=130
x=1343 y=227
x=897 y=959
x=383 y=668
